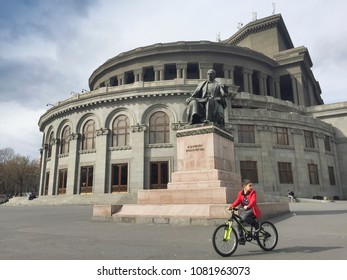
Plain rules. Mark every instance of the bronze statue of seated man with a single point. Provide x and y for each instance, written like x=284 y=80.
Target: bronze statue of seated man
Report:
x=207 y=103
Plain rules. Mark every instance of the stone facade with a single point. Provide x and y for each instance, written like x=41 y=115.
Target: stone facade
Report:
x=120 y=137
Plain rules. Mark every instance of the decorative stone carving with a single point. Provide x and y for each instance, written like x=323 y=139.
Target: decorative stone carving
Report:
x=74 y=136
x=102 y=131
x=177 y=126
x=138 y=128
x=207 y=130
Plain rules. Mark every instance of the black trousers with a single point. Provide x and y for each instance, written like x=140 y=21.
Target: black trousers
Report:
x=249 y=218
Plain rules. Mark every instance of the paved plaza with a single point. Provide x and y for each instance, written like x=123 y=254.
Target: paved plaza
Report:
x=312 y=231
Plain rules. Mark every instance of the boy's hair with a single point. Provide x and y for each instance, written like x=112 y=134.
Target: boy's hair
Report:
x=246 y=182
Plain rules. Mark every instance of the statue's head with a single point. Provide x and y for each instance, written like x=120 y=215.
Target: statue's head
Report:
x=211 y=75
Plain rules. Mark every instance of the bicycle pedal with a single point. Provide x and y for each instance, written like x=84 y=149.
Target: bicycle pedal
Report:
x=242 y=241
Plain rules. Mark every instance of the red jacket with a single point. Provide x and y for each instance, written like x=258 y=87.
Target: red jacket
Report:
x=252 y=198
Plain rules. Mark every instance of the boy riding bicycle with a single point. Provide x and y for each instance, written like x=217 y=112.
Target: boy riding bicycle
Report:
x=247 y=198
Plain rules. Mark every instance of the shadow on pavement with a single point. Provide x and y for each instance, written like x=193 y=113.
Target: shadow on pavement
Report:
x=306 y=249
x=294 y=250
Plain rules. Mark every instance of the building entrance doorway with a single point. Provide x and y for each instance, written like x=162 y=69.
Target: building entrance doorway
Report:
x=86 y=179
x=62 y=181
x=120 y=177
x=159 y=174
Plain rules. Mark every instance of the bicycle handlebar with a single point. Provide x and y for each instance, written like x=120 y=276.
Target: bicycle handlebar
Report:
x=232 y=209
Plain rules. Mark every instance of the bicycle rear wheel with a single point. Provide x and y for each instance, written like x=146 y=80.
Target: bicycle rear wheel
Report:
x=267 y=236
x=224 y=246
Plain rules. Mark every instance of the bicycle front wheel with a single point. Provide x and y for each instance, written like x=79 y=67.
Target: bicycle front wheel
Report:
x=267 y=236
x=224 y=244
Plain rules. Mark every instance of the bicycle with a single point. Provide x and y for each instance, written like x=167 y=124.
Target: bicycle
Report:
x=225 y=239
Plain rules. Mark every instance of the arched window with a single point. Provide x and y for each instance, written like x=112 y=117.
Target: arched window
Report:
x=89 y=135
x=120 y=131
x=159 y=124
x=65 y=140
x=50 y=144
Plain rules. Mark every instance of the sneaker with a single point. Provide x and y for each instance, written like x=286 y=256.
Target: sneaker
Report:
x=242 y=241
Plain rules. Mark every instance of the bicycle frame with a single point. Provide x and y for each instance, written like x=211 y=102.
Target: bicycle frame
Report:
x=225 y=241
x=238 y=220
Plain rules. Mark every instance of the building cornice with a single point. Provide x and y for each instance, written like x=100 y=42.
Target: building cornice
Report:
x=89 y=101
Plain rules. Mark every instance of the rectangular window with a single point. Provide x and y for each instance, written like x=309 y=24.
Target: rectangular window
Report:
x=313 y=174
x=120 y=177
x=281 y=136
x=159 y=174
x=249 y=170
x=327 y=143
x=87 y=179
x=309 y=139
x=331 y=176
x=62 y=181
x=285 y=172
x=246 y=133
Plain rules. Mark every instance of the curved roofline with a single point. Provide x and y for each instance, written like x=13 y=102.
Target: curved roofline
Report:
x=177 y=47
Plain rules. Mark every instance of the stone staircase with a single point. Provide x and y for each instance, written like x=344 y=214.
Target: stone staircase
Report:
x=84 y=199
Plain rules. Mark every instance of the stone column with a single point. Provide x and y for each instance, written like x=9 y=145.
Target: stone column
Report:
x=178 y=72
x=229 y=73
x=181 y=70
x=43 y=152
x=120 y=79
x=295 y=92
x=277 y=88
x=262 y=83
x=101 y=168
x=156 y=75
x=184 y=72
x=159 y=73
x=300 y=89
x=138 y=75
x=137 y=166
x=247 y=81
x=52 y=187
x=272 y=87
x=323 y=166
x=72 y=184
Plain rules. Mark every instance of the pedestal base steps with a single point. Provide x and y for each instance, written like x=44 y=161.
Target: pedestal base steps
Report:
x=185 y=214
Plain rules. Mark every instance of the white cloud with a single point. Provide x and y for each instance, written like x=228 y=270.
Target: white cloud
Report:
x=19 y=129
x=51 y=48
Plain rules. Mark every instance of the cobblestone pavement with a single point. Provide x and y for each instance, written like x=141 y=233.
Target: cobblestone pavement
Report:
x=312 y=231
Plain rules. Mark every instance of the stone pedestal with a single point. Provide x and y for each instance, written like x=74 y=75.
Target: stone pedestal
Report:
x=205 y=170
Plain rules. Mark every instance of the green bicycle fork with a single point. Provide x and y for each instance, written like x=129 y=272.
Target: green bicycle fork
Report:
x=227 y=232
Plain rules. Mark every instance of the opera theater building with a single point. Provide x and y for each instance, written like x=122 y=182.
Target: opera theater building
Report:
x=119 y=137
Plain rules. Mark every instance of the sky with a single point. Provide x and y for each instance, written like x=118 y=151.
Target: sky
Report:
x=49 y=48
